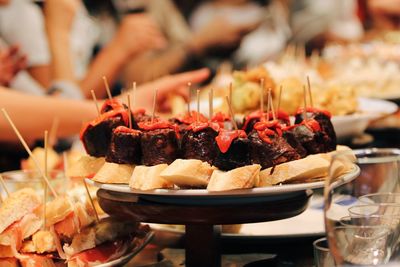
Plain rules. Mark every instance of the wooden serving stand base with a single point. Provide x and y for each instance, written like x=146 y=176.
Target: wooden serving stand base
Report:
x=202 y=236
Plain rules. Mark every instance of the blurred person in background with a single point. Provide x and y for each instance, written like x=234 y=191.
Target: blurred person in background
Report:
x=315 y=23
x=11 y=62
x=73 y=34
x=21 y=24
x=213 y=39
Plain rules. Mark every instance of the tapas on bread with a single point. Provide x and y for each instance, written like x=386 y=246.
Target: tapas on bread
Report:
x=62 y=232
x=194 y=152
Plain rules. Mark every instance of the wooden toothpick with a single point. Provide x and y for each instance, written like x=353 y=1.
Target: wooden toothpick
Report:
x=107 y=87
x=95 y=102
x=91 y=200
x=189 y=85
x=231 y=113
x=309 y=91
x=271 y=104
x=305 y=102
x=129 y=111
x=279 y=99
x=154 y=105
x=210 y=103
x=262 y=96
x=198 y=104
x=21 y=139
x=46 y=171
x=3 y=184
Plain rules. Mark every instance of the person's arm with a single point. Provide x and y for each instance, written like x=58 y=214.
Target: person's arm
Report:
x=136 y=34
x=34 y=114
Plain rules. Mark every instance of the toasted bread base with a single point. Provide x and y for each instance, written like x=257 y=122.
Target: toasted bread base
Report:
x=113 y=173
x=148 y=178
x=239 y=178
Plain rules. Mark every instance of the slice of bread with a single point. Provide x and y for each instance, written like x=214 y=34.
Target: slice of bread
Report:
x=239 y=178
x=17 y=205
x=148 y=178
x=57 y=210
x=308 y=168
x=44 y=242
x=85 y=166
x=188 y=173
x=113 y=173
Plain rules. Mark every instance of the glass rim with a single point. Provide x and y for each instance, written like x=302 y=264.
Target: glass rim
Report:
x=374 y=204
x=319 y=240
x=361 y=155
x=366 y=196
x=341 y=220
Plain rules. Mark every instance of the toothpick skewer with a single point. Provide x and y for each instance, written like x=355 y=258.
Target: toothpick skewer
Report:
x=21 y=139
x=3 y=184
x=91 y=200
x=46 y=171
x=129 y=111
x=271 y=104
x=279 y=99
x=231 y=113
x=210 y=103
x=107 y=87
x=189 y=85
x=154 y=105
x=198 y=104
x=309 y=92
x=95 y=102
x=230 y=94
x=268 y=108
x=262 y=96
x=305 y=103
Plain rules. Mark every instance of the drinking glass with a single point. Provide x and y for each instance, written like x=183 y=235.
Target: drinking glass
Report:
x=353 y=174
x=322 y=256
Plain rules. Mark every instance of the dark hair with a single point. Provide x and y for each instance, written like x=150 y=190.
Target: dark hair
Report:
x=100 y=7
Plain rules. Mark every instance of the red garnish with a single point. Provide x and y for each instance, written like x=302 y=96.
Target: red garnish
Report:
x=265 y=129
x=198 y=126
x=110 y=104
x=226 y=137
x=254 y=115
x=312 y=124
x=314 y=110
x=220 y=117
x=139 y=111
x=124 y=129
x=110 y=114
x=158 y=124
x=192 y=117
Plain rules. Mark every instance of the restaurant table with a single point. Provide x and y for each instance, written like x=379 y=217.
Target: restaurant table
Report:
x=203 y=244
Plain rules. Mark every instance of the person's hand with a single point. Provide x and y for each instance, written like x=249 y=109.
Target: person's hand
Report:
x=60 y=14
x=11 y=62
x=219 y=33
x=138 y=33
x=168 y=86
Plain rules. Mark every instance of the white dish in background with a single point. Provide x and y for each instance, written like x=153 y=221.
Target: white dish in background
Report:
x=347 y=125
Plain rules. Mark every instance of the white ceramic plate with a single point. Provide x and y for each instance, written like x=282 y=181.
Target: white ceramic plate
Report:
x=202 y=196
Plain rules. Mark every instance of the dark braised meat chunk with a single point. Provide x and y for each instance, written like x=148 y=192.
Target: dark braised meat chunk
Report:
x=293 y=142
x=269 y=154
x=313 y=141
x=236 y=156
x=159 y=146
x=125 y=146
x=200 y=145
x=97 y=138
x=324 y=120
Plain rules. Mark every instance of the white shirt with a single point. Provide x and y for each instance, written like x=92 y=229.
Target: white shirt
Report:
x=22 y=23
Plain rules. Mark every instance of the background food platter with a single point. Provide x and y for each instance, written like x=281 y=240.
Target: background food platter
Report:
x=347 y=125
x=241 y=196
